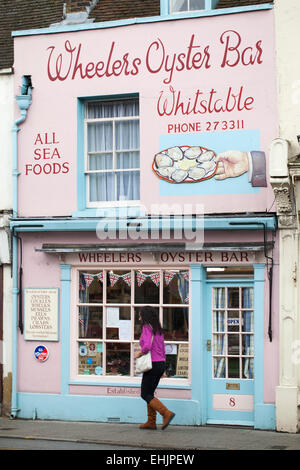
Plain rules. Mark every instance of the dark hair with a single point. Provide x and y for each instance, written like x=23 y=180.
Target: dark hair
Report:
x=149 y=316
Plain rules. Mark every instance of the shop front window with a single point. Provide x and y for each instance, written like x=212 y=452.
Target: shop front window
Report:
x=108 y=329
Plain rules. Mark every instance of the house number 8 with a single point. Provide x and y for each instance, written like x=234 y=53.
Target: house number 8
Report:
x=232 y=402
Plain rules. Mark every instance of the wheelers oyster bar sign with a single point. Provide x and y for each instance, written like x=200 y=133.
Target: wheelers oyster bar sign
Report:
x=72 y=61
x=168 y=257
x=67 y=64
x=204 y=103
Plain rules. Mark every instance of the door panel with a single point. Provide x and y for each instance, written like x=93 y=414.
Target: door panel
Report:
x=230 y=352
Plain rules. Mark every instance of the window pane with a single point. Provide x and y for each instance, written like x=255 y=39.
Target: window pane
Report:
x=102 y=187
x=197 y=4
x=117 y=358
x=137 y=324
x=248 y=368
x=248 y=345
x=219 y=344
x=247 y=297
x=118 y=323
x=128 y=160
x=127 y=135
x=103 y=161
x=233 y=345
x=176 y=287
x=233 y=297
x=128 y=185
x=179 y=5
x=219 y=367
x=233 y=368
x=219 y=297
x=248 y=321
x=233 y=321
x=99 y=136
x=90 y=322
x=90 y=357
x=90 y=287
x=147 y=287
x=119 y=287
x=219 y=321
x=176 y=323
x=177 y=360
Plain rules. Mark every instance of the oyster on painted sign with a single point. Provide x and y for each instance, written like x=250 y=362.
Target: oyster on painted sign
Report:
x=185 y=164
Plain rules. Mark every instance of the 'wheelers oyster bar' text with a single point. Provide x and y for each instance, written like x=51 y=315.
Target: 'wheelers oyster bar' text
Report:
x=168 y=257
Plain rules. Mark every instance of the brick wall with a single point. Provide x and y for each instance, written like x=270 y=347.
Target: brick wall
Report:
x=240 y=3
x=109 y=10
x=17 y=15
x=73 y=6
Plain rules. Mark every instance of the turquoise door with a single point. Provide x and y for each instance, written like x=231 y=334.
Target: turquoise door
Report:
x=229 y=352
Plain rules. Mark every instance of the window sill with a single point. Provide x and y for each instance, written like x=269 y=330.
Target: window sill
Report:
x=132 y=382
x=124 y=209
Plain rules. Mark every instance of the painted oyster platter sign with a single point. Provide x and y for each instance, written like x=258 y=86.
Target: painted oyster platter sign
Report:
x=185 y=164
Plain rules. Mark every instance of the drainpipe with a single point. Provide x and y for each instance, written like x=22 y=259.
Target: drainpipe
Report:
x=24 y=101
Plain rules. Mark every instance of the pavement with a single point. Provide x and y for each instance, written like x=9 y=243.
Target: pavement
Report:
x=176 y=438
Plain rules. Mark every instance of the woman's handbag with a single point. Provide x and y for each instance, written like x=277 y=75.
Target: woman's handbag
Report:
x=144 y=362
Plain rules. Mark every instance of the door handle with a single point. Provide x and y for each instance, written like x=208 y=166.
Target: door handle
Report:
x=208 y=345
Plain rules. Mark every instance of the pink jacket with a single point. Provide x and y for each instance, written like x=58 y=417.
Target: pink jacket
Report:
x=158 y=344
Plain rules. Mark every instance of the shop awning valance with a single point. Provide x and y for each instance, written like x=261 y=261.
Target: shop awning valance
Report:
x=94 y=248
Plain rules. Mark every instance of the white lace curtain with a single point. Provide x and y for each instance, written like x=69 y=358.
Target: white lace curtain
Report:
x=113 y=150
x=186 y=5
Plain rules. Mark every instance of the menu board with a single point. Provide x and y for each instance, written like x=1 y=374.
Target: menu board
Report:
x=182 y=366
x=41 y=314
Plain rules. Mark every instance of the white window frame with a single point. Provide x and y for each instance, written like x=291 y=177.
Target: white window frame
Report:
x=87 y=172
x=74 y=333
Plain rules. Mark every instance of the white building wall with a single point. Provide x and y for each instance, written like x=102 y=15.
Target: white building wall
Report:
x=287 y=21
x=6 y=122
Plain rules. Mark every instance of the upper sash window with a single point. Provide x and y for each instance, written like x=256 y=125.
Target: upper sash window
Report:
x=112 y=156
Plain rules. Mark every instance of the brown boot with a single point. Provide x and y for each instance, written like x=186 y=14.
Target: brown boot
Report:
x=166 y=414
x=151 y=423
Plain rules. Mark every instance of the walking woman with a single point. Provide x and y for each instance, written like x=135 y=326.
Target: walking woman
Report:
x=152 y=339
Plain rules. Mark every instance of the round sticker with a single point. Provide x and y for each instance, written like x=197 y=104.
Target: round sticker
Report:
x=41 y=353
x=82 y=350
x=98 y=370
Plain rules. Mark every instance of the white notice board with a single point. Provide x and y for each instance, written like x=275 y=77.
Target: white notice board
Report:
x=41 y=314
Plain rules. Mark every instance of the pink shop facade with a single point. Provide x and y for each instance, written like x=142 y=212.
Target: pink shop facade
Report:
x=141 y=178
